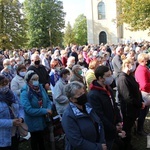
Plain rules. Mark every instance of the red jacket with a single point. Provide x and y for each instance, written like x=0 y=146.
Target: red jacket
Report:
x=142 y=76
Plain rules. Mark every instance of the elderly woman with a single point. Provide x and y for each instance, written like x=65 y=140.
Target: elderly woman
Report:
x=142 y=76
x=18 y=81
x=7 y=71
x=77 y=74
x=81 y=125
x=37 y=107
x=9 y=119
x=54 y=74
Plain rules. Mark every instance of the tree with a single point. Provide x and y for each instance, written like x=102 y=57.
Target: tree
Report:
x=45 y=22
x=12 y=25
x=68 y=35
x=135 y=13
x=80 y=30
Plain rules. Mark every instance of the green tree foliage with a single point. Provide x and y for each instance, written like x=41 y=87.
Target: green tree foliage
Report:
x=80 y=30
x=68 y=35
x=12 y=25
x=45 y=22
x=136 y=13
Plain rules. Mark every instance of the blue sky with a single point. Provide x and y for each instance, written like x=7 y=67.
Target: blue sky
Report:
x=73 y=9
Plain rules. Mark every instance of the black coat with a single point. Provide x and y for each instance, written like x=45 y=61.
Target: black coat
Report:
x=104 y=104
x=129 y=95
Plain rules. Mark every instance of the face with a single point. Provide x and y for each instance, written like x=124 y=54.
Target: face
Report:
x=66 y=77
x=12 y=63
x=79 y=92
x=36 y=58
x=73 y=61
x=18 y=61
x=34 y=78
x=47 y=56
x=4 y=86
x=81 y=59
x=7 y=65
x=106 y=75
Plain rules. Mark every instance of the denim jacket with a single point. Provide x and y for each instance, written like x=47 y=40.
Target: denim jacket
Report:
x=6 y=122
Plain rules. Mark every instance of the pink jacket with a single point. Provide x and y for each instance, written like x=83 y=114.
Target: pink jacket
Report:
x=142 y=76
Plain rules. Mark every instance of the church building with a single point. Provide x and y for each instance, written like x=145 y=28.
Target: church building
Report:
x=102 y=27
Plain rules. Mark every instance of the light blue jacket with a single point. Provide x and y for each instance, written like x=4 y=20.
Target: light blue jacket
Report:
x=60 y=99
x=6 y=123
x=34 y=114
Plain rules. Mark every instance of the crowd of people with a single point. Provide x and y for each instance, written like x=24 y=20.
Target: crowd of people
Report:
x=100 y=92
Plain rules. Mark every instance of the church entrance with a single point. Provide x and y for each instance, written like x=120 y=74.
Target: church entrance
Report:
x=102 y=37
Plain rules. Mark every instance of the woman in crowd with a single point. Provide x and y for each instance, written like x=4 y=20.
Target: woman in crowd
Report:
x=18 y=81
x=60 y=98
x=142 y=76
x=89 y=77
x=9 y=121
x=64 y=57
x=37 y=106
x=77 y=74
x=7 y=72
x=54 y=74
x=130 y=99
x=82 y=126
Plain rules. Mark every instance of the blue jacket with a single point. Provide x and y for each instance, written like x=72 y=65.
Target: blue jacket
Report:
x=80 y=130
x=34 y=114
x=6 y=123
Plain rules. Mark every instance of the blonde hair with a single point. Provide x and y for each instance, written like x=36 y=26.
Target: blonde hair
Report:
x=6 y=61
x=93 y=64
x=142 y=57
x=126 y=61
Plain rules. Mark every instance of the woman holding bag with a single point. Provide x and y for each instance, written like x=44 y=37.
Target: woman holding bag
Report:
x=37 y=107
x=11 y=116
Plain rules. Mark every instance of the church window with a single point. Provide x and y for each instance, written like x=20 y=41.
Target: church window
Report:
x=101 y=10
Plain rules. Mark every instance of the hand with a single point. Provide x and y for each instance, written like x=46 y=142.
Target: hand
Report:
x=47 y=87
x=104 y=147
x=143 y=105
x=119 y=126
x=16 y=122
x=49 y=111
x=122 y=134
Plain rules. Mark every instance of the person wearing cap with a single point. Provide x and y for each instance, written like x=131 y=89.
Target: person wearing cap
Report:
x=40 y=71
x=11 y=116
x=37 y=106
x=18 y=81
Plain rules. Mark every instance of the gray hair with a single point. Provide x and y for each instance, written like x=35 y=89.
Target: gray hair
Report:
x=29 y=75
x=72 y=88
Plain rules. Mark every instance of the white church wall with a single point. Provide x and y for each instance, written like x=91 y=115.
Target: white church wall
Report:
x=114 y=34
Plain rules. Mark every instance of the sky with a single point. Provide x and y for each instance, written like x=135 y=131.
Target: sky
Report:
x=73 y=9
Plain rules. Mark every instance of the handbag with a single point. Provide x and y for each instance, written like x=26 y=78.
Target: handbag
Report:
x=22 y=129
